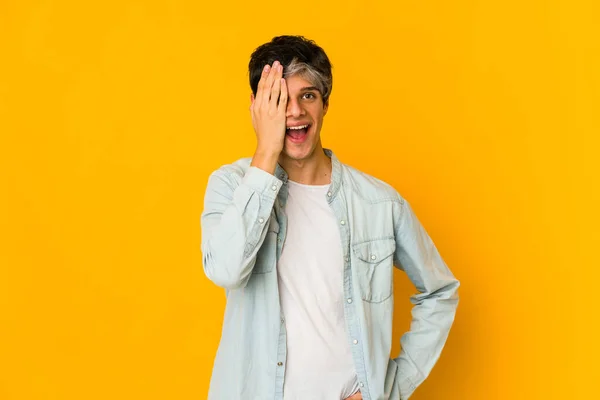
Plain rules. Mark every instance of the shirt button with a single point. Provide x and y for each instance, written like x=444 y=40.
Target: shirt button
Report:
x=361 y=384
x=282 y=320
x=278 y=240
x=347 y=258
x=261 y=220
x=349 y=300
x=328 y=194
x=343 y=222
x=274 y=187
x=280 y=363
x=355 y=341
x=373 y=257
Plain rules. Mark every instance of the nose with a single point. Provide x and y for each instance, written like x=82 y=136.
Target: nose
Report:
x=294 y=109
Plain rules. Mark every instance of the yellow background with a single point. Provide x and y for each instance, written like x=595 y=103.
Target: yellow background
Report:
x=483 y=114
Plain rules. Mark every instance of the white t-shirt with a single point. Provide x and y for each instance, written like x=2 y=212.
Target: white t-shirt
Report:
x=319 y=363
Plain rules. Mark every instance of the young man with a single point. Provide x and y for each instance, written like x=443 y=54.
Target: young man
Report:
x=305 y=247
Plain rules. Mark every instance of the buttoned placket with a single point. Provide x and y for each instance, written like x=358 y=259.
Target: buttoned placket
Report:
x=337 y=201
x=282 y=341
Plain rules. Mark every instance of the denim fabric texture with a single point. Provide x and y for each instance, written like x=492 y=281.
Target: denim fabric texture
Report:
x=243 y=230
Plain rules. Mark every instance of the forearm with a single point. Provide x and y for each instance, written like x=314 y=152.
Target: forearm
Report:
x=434 y=306
x=432 y=317
x=234 y=225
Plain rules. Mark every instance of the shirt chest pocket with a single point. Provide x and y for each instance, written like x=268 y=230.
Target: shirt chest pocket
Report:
x=266 y=257
x=373 y=264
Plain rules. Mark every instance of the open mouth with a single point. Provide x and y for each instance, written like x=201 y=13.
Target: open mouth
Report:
x=297 y=133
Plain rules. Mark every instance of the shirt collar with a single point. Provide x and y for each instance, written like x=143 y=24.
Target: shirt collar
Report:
x=336 y=173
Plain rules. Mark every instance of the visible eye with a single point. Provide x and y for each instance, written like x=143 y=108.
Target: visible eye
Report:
x=309 y=96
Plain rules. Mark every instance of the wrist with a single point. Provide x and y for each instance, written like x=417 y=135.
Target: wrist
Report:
x=265 y=160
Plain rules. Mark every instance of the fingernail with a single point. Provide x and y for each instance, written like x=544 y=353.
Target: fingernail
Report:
x=276 y=63
x=266 y=68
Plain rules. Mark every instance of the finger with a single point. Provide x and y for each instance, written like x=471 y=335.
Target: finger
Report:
x=283 y=97
x=276 y=89
x=269 y=84
x=261 y=83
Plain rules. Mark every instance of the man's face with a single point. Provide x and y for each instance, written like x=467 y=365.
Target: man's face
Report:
x=304 y=107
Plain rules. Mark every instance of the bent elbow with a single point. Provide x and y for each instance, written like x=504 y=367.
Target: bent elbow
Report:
x=452 y=289
x=227 y=281
x=222 y=275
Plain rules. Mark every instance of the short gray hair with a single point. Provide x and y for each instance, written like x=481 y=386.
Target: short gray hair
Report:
x=322 y=82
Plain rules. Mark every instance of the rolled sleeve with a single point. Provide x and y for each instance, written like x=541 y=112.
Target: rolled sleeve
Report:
x=234 y=223
x=434 y=306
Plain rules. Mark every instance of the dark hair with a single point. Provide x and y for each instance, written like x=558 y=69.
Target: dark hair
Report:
x=298 y=55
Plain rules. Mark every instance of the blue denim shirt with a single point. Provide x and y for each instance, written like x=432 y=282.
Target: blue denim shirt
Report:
x=243 y=230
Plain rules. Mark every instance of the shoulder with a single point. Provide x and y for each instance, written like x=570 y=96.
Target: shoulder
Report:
x=368 y=187
x=232 y=173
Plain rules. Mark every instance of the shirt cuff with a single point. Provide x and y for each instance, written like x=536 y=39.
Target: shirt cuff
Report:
x=262 y=182
x=406 y=387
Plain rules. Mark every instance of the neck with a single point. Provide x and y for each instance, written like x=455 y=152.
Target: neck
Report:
x=315 y=170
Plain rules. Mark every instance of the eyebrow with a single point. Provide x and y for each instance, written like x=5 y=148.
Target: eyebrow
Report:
x=307 y=88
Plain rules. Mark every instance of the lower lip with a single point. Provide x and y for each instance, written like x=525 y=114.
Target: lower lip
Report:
x=301 y=139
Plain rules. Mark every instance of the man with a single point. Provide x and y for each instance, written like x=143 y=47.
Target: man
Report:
x=305 y=247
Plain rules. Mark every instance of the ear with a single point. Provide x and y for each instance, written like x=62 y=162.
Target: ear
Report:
x=251 y=100
x=325 y=108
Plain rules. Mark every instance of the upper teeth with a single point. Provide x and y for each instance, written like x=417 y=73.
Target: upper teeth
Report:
x=298 y=127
